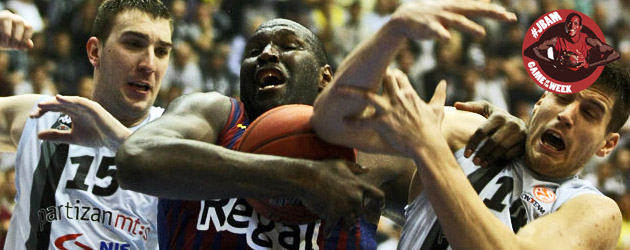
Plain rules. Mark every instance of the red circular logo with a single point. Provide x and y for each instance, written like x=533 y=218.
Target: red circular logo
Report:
x=564 y=51
x=544 y=194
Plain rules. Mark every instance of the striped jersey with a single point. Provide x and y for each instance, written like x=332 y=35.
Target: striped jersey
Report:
x=514 y=194
x=68 y=196
x=234 y=224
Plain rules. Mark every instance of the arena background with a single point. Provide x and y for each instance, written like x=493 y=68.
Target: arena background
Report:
x=209 y=37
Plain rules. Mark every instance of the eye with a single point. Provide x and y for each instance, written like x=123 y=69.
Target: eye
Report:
x=589 y=113
x=253 y=52
x=133 y=43
x=291 y=46
x=564 y=99
x=162 y=52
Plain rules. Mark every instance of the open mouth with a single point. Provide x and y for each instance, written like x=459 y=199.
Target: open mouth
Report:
x=552 y=140
x=269 y=79
x=139 y=86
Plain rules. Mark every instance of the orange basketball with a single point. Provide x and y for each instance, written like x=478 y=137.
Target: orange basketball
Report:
x=286 y=131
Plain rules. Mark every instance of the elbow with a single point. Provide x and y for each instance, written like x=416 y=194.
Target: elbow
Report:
x=132 y=169
x=320 y=123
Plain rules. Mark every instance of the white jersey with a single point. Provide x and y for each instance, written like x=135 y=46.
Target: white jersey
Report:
x=514 y=194
x=68 y=196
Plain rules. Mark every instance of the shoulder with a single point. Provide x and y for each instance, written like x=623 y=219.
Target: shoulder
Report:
x=458 y=126
x=209 y=104
x=593 y=222
x=592 y=40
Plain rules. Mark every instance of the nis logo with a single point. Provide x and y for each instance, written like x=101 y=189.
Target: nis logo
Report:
x=72 y=241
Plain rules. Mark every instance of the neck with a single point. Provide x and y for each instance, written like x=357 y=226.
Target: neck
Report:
x=126 y=117
x=576 y=37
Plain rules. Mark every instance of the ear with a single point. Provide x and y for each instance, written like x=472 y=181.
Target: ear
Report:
x=93 y=51
x=611 y=142
x=325 y=77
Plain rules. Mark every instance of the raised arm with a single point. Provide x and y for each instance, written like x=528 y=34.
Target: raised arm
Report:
x=365 y=66
x=176 y=157
x=411 y=126
x=14 y=111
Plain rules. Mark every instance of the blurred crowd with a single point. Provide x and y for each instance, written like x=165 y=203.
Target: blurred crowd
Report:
x=209 y=39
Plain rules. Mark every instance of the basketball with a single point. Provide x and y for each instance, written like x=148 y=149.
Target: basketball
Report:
x=286 y=131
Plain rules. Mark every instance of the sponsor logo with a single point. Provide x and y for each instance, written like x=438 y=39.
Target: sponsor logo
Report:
x=236 y=216
x=564 y=51
x=65 y=243
x=544 y=194
x=65 y=119
x=241 y=126
x=529 y=199
x=80 y=212
x=70 y=239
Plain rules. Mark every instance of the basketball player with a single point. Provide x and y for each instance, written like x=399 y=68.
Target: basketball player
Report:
x=574 y=43
x=535 y=200
x=68 y=195
x=185 y=155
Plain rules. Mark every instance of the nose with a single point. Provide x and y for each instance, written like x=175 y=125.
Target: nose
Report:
x=567 y=116
x=147 y=61
x=268 y=55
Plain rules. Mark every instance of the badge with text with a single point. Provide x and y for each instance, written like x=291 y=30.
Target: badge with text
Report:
x=564 y=51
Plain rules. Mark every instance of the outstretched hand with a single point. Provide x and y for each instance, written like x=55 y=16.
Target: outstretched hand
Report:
x=429 y=19
x=92 y=125
x=339 y=196
x=15 y=32
x=505 y=134
x=400 y=117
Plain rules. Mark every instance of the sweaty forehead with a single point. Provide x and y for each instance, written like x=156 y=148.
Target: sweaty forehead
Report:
x=285 y=25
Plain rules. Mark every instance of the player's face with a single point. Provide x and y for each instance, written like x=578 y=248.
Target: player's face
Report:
x=573 y=26
x=279 y=67
x=567 y=130
x=132 y=63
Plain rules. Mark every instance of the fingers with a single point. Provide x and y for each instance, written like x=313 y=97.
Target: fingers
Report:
x=62 y=136
x=439 y=30
x=462 y=23
x=373 y=198
x=510 y=154
x=390 y=84
x=70 y=105
x=16 y=33
x=481 y=9
x=439 y=96
x=483 y=108
x=356 y=168
x=7 y=29
x=402 y=80
x=480 y=134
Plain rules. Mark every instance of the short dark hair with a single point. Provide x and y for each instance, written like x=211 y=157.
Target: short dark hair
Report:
x=109 y=9
x=317 y=45
x=570 y=16
x=615 y=81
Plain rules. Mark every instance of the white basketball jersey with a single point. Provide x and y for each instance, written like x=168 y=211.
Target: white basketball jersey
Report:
x=68 y=196
x=514 y=194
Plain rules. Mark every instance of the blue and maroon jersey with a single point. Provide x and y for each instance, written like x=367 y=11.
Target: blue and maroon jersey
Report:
x=234 y=224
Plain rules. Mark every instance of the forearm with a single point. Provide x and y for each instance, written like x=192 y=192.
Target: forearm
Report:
x=465 y=220
x=540 y=57
x=366 y=64
x=364 y=68
x=189 y=169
